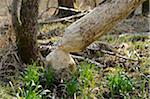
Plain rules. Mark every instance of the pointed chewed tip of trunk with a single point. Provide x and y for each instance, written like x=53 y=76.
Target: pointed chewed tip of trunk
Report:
x=61 y=61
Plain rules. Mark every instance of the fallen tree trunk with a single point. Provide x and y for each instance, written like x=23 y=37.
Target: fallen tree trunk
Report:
x=83 y=32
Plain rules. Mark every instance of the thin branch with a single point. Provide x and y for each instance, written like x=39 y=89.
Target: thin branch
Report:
x=61 y=8
x=69 y=9
x=62 y=19
x=118 y=55
x=87 y=59
x=135 y=34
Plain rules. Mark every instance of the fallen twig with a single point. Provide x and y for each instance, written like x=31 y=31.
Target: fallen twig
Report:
x=61 y=8
x=118 y=55
x=62 y=19
x=87 y=59
x=135 y=34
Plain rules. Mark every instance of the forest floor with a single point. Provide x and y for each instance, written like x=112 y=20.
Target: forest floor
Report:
x=115 y=66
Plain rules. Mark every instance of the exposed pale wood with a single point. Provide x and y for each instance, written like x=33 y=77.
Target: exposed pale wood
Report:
x=60 y=59
x=83 y=32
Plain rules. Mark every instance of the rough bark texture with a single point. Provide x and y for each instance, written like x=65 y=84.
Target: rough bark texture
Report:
x=15 y=19
x=83 y=32
x=26 y=29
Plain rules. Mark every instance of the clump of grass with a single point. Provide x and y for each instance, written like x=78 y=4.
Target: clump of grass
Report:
x=73 y=86
x=82 y=81
x=49 y=76
x=31 y=91
x=119 y=84
x=31 y=74
x=31 y=88
x=87 y=74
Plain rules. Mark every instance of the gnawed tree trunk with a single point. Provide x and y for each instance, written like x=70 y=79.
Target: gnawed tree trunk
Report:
x=83 y=32
x=26 y=29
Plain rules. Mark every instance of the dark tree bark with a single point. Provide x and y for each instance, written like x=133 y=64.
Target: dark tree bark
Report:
x=68 y=4
x=26 y=29
x=145 y=8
